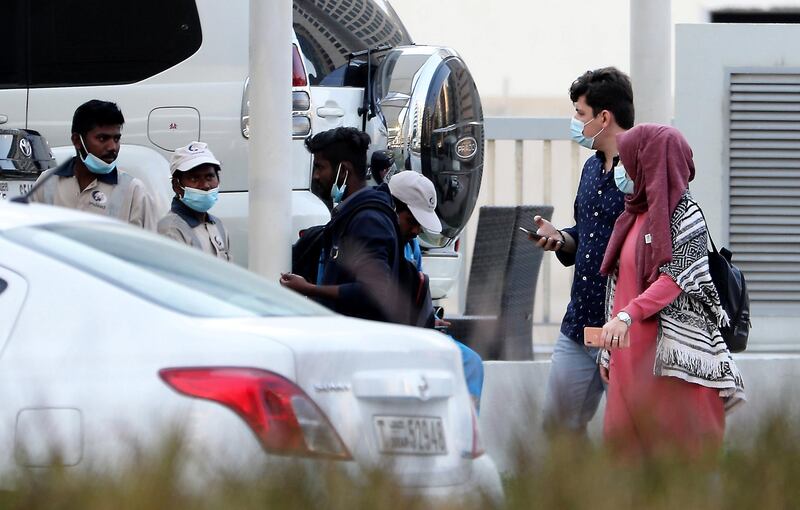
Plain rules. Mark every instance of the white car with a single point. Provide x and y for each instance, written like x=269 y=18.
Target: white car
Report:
x=110 y=335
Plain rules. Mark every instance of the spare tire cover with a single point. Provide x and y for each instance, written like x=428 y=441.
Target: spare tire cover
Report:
x=433 y=119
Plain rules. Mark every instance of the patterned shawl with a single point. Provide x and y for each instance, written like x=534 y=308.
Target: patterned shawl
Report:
x=689 y=343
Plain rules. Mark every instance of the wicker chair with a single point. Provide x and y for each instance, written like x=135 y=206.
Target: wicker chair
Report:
x=498 y=316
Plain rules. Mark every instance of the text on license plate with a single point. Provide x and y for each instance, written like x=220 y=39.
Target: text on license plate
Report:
x=416 y=435
x=11 y=189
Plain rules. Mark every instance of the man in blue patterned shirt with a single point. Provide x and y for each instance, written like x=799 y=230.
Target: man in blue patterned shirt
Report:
x=603 y=102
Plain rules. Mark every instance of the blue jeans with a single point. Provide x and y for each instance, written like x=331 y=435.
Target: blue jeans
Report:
x=574 y=387
x=473 y=372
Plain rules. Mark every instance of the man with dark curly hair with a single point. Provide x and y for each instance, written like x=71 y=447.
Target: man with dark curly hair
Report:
x=603 y=101
x=358 y=264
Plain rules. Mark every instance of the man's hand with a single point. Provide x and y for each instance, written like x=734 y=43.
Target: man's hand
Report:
x=551 y=239
x=296 y=283
x=615 y=334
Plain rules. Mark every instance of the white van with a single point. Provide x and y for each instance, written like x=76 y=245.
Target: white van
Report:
x=179 y=72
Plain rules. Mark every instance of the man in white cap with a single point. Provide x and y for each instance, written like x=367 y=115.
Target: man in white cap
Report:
x=195 y=181
x=415 y=202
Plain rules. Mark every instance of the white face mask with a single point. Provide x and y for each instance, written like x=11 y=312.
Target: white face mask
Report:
x=576 y=128
x=624 y=183
x=95 y=164
x=337 y=192
x=200 y=200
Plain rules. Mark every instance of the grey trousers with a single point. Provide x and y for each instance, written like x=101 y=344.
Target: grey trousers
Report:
x=574 y=387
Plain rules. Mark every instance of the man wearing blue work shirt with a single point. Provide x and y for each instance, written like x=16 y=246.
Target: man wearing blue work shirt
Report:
x=603 y=102
x=195 y=181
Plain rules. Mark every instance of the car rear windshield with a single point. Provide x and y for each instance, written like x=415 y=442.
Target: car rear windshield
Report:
x=163 y=271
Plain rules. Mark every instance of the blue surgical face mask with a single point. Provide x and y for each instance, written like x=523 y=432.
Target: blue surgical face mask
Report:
x=576 y=128
x=95 y=164
x=199 y=200
x=624 y=183
x=337 y=193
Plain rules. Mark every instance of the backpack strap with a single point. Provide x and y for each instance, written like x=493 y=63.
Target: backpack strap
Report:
x=340 y=223
x=708 y=231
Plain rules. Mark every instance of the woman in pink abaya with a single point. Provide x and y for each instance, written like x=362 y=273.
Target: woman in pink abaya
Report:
x=670 y=375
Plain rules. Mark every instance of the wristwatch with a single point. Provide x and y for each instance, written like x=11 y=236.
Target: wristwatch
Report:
x=625 y=317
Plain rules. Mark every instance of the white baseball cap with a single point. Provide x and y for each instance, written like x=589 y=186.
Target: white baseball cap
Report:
x=417 y=192
x=191 y=156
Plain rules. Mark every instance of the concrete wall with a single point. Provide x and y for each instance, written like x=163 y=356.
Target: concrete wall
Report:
x=513 y=393
x=704 y=57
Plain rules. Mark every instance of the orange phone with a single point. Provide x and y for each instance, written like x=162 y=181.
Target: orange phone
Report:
x=591 y=336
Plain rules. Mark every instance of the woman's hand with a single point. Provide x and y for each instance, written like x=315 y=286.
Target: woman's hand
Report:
x=615 y=334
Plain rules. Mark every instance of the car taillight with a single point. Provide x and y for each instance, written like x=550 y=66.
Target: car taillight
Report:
x=477 y=444
x=299 y=78
x=301 y=126
x=300 y=100
x=285 y=420
x=457 y=245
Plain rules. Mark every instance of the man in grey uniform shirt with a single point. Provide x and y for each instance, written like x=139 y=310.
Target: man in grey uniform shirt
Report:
x=195 y=181
x=91 y=181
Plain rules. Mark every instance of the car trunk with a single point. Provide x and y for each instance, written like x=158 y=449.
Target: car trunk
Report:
x=394 y=395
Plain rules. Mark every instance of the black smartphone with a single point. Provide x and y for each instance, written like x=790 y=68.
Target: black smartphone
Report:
x=533 y=235
x=438 y=312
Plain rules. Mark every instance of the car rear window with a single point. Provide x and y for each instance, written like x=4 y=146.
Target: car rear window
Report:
x=14 y=69
x=95 y=42
x=163 y=271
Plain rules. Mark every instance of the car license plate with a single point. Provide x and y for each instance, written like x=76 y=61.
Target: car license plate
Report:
x=11 y=189
x=414 y=435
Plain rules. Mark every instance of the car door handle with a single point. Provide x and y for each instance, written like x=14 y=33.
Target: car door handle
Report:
x=327 y=111
x=3 y=119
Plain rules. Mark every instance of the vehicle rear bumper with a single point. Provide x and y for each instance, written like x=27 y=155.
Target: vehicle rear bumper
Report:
x=483 y=486
x=443 y=268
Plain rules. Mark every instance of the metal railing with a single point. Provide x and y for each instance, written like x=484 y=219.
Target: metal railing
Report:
x=530 y=160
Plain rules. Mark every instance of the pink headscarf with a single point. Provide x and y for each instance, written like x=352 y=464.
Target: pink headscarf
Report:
x=659 y=160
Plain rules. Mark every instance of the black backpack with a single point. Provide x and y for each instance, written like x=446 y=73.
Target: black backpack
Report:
x=416 y=306
x=732 y=290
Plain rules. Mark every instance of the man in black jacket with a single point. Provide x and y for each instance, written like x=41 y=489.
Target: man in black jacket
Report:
x=359 y=256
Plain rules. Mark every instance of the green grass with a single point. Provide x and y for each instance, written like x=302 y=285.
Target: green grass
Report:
x=571 y=474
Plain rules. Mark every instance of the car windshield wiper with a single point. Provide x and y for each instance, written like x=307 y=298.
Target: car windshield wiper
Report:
x=25 y=199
